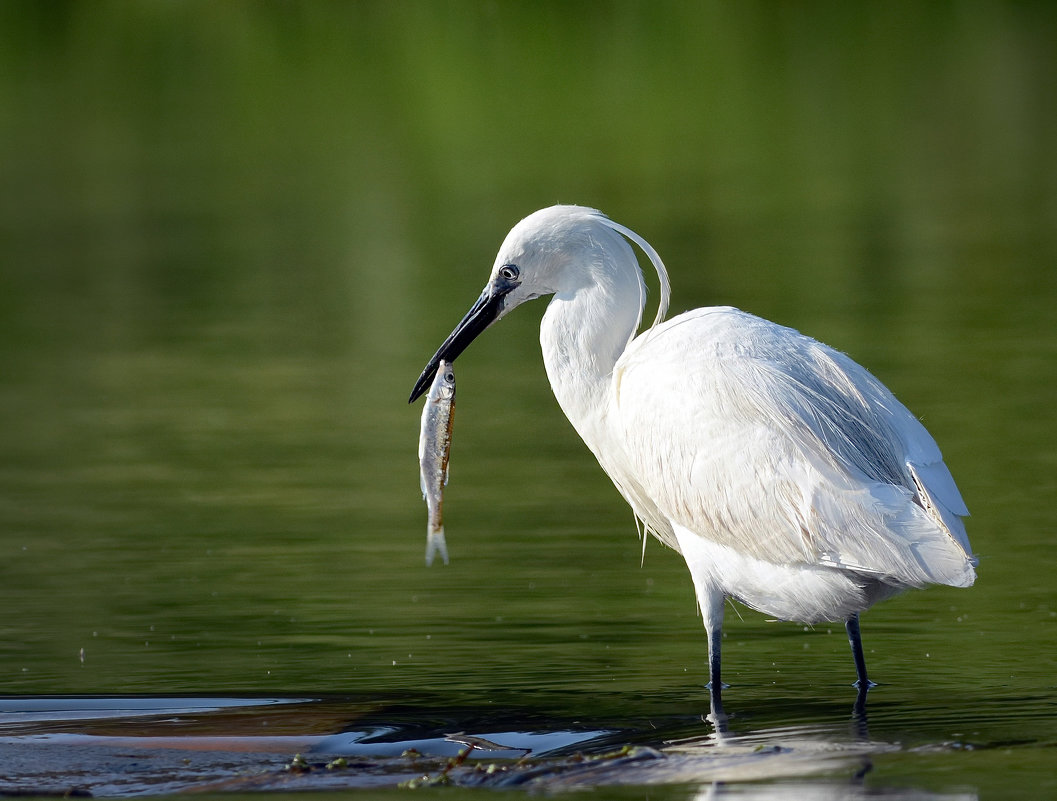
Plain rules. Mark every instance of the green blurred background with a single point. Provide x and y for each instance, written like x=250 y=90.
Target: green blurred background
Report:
x=231 y=233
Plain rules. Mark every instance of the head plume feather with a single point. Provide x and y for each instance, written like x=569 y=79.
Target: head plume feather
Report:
x=655 y=259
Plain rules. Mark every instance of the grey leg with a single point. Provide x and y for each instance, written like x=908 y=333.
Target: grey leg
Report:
x=715 y=680
x=712 y=612
x=855 y=639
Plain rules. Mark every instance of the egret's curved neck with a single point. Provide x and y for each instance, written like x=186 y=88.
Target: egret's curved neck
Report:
x=584 y=331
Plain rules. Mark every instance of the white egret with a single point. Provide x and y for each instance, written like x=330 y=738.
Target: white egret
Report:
x=787 y=476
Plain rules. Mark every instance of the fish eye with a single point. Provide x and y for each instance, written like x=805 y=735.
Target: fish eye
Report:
x=510 y=272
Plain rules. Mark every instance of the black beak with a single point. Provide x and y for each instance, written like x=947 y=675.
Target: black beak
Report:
x=477 y=319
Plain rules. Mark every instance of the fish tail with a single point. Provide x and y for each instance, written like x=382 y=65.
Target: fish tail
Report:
x=435 y=543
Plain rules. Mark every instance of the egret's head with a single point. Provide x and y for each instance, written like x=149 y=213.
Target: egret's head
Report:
x=552 y=250
x=547 y=252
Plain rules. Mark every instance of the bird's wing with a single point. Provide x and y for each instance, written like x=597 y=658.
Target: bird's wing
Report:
x=769 y=442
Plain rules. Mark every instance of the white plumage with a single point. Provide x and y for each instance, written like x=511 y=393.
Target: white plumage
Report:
x=785 y=473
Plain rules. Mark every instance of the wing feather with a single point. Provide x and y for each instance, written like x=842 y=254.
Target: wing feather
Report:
x=785 y=449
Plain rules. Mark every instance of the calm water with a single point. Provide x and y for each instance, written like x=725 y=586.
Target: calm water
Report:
x=232 y=233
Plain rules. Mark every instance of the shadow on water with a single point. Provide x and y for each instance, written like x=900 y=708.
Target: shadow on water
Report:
x=109 y=746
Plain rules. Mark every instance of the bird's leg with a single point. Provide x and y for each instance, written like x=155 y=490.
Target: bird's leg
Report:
x=855 y=639
x=712 y=612
x=711 y=604
x=710 y=600
x=715 y=682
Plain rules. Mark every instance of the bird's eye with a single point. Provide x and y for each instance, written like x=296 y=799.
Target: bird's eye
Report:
x=509 y=271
